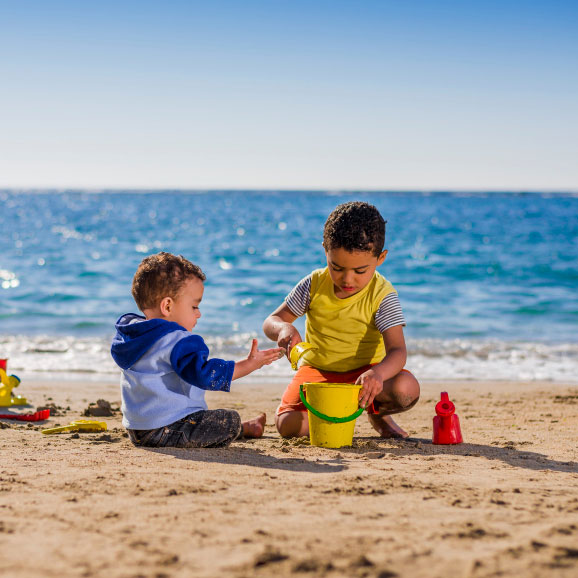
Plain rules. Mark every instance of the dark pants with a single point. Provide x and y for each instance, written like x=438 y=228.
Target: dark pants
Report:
x=203 y=429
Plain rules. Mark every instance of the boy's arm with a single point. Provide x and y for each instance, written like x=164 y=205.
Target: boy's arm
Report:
x=372 y=380
x=279 y=327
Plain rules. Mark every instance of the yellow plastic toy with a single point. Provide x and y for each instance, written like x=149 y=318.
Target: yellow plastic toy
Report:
x=83 y=425
x=9 y=382
x=340 y=401
x=298 y=352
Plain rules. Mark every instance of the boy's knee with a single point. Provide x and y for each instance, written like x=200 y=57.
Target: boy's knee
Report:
x=286 y=430
x=407 y=401
x=403 y=392
x=290 y=425
x=406 y=390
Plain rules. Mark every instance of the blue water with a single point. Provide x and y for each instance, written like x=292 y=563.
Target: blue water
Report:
x=488 y=282
x=476 y=266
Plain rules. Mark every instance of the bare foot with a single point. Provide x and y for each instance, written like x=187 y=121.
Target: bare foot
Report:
x=386 y=427
x=255 y=427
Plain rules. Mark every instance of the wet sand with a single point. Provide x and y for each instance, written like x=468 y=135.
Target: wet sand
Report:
x=503 y=503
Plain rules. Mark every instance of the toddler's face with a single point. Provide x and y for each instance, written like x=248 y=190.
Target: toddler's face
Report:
x=185 y=307
x=351 y=271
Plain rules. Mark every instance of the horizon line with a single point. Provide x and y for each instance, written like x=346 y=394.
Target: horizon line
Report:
x=329 y=190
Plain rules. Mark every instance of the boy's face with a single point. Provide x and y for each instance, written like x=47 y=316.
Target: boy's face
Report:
x=351 y=271
x=184 y=308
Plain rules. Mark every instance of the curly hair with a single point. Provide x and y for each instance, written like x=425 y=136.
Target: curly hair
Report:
x=162 y=275
x=355 y=226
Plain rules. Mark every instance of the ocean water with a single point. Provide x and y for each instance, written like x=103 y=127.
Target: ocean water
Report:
x=488 y=282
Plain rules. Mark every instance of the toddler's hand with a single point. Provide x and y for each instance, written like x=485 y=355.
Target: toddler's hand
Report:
x=265 y=356
x=372 y=385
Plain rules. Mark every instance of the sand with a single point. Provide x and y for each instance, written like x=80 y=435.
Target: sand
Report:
x=503 y=503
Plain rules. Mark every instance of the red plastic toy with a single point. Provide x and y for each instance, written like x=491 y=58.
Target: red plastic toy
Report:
x=37 y=416
x=446 y=424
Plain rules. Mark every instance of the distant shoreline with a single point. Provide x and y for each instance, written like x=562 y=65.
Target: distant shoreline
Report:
x=570 y=192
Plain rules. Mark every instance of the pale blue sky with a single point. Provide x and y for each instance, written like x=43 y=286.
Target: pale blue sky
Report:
x=301 y=94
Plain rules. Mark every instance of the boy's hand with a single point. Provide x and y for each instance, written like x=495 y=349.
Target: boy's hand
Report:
x=372 y=384
x=264 y=357
x=288 y=338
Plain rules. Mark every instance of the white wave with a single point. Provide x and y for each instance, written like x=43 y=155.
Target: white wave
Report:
x=493 y=360
x=429 y=359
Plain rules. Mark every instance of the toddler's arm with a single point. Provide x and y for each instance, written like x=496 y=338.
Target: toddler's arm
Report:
x=279 y=327
x=256 y=359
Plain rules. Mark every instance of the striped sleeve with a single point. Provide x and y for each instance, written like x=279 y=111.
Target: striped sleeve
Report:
x=389 y=313
x=300 y=296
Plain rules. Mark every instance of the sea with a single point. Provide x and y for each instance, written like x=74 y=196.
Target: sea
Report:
x=488 y=282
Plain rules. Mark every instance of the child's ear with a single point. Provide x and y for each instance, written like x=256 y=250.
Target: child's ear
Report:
x=381 y=258
x=166 y=306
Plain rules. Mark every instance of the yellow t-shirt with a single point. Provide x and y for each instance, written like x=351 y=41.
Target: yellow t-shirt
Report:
x=343 y=330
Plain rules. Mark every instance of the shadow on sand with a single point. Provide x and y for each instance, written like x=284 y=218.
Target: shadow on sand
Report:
x=508 y=454
x=256 y=458
x=336 y=460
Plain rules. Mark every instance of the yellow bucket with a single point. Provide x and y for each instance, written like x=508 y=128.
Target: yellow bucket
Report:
x=332 y=411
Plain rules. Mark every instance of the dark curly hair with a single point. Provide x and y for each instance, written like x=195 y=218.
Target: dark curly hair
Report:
x=162 y=275
x=355 y=226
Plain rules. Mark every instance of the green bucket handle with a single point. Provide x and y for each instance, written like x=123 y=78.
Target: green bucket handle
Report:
x=328 y=417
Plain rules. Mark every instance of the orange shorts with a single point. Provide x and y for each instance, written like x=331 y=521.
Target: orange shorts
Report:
x=307 y=374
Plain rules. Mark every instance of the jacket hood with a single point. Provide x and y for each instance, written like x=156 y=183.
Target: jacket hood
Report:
x=135 y=335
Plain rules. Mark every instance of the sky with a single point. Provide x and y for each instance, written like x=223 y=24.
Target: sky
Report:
x=332 y=94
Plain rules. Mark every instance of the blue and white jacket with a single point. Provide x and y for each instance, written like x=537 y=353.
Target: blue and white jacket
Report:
x=165 y=371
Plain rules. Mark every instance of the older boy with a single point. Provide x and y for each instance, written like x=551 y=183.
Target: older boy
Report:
x=166 y=369
x=354 y=319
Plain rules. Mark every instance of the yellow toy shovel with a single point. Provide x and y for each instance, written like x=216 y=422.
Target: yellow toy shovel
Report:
x=83 y=425
x=298 y=352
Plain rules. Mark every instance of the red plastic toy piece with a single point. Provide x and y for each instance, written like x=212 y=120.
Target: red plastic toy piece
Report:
x=446 y=424
x=37 y=416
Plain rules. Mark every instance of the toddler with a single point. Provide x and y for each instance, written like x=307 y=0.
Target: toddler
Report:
x=166 y=369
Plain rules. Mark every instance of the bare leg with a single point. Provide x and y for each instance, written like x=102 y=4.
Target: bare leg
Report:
x=399 y=394
x=255 y=427
x=292 y=424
